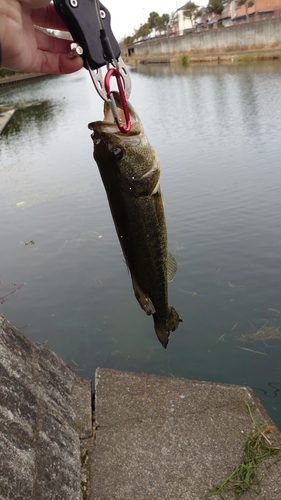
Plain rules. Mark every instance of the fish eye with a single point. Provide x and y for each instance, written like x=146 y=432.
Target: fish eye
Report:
x=118 y=153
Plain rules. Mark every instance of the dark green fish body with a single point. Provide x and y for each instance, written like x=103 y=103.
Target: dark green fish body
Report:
x=130 y=172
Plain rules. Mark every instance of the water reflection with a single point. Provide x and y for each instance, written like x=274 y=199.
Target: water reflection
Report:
x=28 y=115
x=217 y=134
x=208 y=69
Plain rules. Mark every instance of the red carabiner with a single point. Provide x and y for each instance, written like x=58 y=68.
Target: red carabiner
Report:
x=114 y=72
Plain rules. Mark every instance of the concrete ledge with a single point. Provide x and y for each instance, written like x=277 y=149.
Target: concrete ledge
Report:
x=5 y=117
x=171 y=439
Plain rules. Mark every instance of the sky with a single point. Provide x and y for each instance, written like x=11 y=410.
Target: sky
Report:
x=128 y=15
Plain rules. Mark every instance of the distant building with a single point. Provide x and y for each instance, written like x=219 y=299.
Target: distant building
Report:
x=262 y=9
x=180 y=22
x=228 y=13
x=232 y=14
x=207 y=20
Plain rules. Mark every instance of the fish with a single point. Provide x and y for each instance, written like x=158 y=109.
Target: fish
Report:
x=130 y=171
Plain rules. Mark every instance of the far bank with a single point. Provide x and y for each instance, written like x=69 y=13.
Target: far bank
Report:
x=184 y=59
x=10 y=77
x=259 y=40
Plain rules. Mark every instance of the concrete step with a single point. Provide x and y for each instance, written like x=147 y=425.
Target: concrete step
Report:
x=162 y=438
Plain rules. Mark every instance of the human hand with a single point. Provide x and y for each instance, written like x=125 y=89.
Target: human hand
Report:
x=25 y=48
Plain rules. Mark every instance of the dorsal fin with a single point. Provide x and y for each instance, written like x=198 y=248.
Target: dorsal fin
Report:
x=172 y=267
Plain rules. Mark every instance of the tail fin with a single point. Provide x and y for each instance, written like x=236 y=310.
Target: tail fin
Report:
x=163 y=330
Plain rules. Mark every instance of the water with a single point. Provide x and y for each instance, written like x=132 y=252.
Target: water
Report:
x=217 y=131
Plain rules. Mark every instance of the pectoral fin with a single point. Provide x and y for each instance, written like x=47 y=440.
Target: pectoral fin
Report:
x=143 y=298
x=172 y=267
x=159 y=206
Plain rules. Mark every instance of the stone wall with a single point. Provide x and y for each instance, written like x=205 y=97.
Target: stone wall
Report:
x=255 y=35
x=45 y=421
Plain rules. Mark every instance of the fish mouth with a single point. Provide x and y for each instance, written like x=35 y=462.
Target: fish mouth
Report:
x=108 y=124
x=108 y=115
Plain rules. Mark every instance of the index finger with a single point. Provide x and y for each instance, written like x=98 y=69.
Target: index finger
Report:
x=47 y=17
x=34 y=4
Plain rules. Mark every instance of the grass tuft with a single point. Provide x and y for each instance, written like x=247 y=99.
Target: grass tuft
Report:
x=257 y=449
x=185 y=61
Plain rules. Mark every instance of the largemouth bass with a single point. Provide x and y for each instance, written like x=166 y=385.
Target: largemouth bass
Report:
x=130 y=173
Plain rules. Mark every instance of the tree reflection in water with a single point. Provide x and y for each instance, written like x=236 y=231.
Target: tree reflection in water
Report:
x=27 y=115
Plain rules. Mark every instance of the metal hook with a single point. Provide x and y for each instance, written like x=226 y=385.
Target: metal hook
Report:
x=110 y=97
x=97 y=78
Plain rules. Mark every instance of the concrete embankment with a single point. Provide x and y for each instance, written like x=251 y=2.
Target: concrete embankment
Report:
x=241 y=56
x=20 y=78
x=257 y=40
x=152 y=438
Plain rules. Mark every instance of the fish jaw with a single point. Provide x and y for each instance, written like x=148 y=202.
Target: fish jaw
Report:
x=163 y=329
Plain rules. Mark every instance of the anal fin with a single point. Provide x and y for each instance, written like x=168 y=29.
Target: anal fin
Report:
x=143 y=299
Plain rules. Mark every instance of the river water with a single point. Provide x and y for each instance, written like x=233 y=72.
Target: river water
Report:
x=217 y=132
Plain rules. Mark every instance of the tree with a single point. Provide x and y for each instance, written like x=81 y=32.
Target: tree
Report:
x=248 y=4
x=153 y=20
x=143 y=31
x=199 y=13
x=190 y=10
x=128 y=40
x=163 y=22
x=215 y=6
